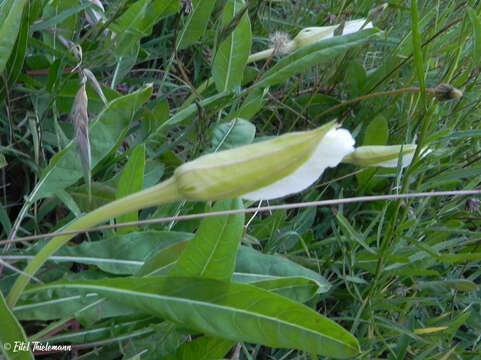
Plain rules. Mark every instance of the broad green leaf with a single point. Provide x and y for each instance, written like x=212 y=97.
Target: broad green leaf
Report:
x=213 y=103
x=131 y=182
x=231 y=57
x=476 y=22
x=299 y=289
x=233 y=311
x=235 y=133
x=309 y=56
x=137 y=22
x=196 y=23
x=10 y=20
x=212 y=251
x=61 y=17
x=203 y=348
x=11 y=332
x=121 y=254
x=15 y=62
x=250 y=261
x=442 y=286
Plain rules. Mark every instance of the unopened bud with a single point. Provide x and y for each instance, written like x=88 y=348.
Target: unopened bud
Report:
x=265 y=170
x=446 y=92
x=382 y=156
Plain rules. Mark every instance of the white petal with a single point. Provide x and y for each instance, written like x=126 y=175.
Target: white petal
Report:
x=336 y=144
x=355 y=25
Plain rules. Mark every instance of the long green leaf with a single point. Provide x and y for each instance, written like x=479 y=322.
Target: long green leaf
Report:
x=196 y=23
x=212 y=251
x=476 y=22
x=131 y=182
x=11 y=333
x=10 y=20
x=309 y=56
x=231 y=58
x=233 y=311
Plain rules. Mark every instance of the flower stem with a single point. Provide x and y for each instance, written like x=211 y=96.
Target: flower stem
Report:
x=159 y=194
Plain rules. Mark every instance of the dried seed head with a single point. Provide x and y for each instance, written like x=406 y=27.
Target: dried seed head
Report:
x=472 y=205
x=81 y=124
x=95 y=84
x=281 y=43
x=377 y=11
x=446 y=92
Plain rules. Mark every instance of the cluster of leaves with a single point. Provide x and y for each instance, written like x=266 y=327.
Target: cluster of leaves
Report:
x=401 y=277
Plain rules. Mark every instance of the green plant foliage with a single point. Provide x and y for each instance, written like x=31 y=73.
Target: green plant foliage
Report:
x=232 y=311
x=384 y=279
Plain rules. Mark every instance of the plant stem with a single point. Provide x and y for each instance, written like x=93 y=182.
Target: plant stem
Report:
x=159 y=194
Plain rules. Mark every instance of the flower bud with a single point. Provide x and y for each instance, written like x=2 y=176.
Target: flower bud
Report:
x=311 y=35
x=282 y=45
x=446 y=92
x=382 y=156
x=265 y=170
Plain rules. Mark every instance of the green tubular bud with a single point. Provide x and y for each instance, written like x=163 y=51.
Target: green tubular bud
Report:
x=264 y=170
x=382 y=156
x=311 y=35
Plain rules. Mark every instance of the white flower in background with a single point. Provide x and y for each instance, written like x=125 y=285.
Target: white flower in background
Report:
x=265 y=170
x=95 y=12
x=383 y=156
x=309 y=36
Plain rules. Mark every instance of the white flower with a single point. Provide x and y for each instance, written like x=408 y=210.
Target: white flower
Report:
x=330 y=151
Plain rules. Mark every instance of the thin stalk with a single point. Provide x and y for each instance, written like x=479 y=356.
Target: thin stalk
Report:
x=160 y=194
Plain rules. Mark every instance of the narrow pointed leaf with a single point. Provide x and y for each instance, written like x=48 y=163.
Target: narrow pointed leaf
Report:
x=231 y=58
x=196 y=23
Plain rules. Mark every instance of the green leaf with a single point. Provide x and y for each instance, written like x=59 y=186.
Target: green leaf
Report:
x=309 y=56
x=231 y=57
x=58 y=19
x=121 y=254
x=439 y=287
x=476 y=22
x=10 y=19
x=235 y=133
x=203 y=348
x=131 y=182
x=299 y=289
x=212 y=251
x=196 y=23
x=250 y=261
x=106 y=132
x=417 y=47
x=233 y=311
x=11 y=332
